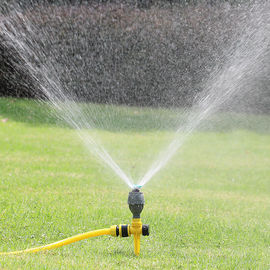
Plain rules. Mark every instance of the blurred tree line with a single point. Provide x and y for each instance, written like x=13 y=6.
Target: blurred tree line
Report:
x=143 y=52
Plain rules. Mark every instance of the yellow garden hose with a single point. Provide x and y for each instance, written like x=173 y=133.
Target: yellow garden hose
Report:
x=124 y=230
x=63 y=242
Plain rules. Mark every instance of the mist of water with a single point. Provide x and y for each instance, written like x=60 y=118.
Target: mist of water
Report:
x=46 y=78
x=244 y=59
x=229 y=79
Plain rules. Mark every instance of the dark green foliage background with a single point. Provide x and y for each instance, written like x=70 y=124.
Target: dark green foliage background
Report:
x=147 y=53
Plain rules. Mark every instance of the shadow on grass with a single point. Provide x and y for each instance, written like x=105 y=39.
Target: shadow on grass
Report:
x=128 y=119
x=27 y=111
x=122 y=252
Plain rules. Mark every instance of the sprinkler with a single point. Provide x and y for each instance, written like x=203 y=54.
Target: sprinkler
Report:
x=136 y=204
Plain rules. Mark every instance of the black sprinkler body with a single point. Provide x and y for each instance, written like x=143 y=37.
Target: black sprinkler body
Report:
x=136 y=202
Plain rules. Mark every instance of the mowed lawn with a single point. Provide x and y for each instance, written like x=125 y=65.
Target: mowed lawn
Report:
x=208 y=209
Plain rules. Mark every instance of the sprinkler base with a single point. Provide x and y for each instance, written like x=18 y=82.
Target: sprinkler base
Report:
x=136 y=229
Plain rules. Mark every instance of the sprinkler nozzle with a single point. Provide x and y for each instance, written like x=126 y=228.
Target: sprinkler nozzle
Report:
x=136 y=202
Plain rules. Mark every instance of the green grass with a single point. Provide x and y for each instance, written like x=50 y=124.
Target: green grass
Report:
x=208 y=209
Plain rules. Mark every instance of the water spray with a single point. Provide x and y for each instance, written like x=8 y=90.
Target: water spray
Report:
x=136 y=204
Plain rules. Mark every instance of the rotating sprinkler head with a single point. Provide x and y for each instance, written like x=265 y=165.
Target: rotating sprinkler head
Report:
x=136 y=202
